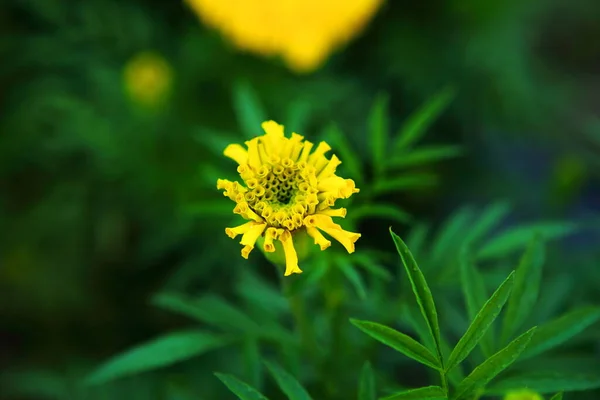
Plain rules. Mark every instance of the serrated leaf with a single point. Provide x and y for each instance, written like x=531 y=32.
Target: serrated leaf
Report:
x=209 y=309
x=398 y=341
x=483 y=320
x=518 y=238
x=491 y=367
x=558 y=331
x=353 y=276
x=248 y=109
x=417 y=123
x=522 y=300
x=240 y=388
x=160 y=352
x=379 y=210
x=557 y=396
x=350 y=160
x=424 y=393
x=378 y=132
x=546 y=382
x=366 y=385
x=287 y=383
x=408 y=182
x=424 y=155
x=422 y=292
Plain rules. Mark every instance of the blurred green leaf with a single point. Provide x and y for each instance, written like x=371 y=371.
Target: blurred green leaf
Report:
x=378 y=133
x=353 y=276
x=366 y=385
x=557 y=396
x=424 y=155
x=241 y=389
x=258 y=292
x=209 y=309
x=341 y=144
x=287 y=383
x=488 y=220
x=164 y=351
x=421 y=290
x=491 y=367
x=558 y=331
x=408 y=182
x=380 y=210
x=297 y=116
x=525 y=293
x=424 y=393
x=252 y=361
x=398 y=341
x=519 y=237
x=483 y=320
x=370 y=265
x=35 y=384
x=475 y=295
x=416 y=238
x=450 y=234
x=546 y=382
x=248 y=109
x=417 y=124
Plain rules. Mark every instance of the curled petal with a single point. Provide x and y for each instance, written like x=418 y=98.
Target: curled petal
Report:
x=237 y=153
x=291 y=258
x=239 y=230
x=320 y=240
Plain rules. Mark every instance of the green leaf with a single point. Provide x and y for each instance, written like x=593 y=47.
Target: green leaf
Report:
x=424 y=393
x=398 y=341
x=519 y=237
x=547 y=382
x=525 y=293
x=491 y=367
x=483 y=320
x=252 y=361
x=558 y=331
x=450 y=234
x=241 y=389
x=416 y=238
x=297 y=116
x=370 y=265
x=424 y=155
x=379 y=210
x=489 y=219
x=287 y=383
x=557 y=396
x=417 y=124
x=350 y=160
x=408 y=182
x=160 y=352
x=366 y=385
x=421 y=290
x=378 y=132
x=209 y=309
x=248 y=109
x=353 y=276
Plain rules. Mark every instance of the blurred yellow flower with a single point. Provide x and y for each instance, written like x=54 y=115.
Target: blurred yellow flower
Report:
x=147 y=78
x=287 y=189
x=524 y=394
x=302 y=32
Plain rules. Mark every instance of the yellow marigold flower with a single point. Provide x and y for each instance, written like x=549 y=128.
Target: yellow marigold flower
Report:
x=524 y=394
x=287 y=187
x=303 y=32
x=147 y=78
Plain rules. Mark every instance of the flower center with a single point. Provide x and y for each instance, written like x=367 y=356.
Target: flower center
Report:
x=282 y=192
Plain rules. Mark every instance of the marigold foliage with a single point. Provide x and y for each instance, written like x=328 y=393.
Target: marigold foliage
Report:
x=524 y=394
x=287 y=187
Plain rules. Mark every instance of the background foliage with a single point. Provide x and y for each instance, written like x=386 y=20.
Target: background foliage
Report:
x=469 y=126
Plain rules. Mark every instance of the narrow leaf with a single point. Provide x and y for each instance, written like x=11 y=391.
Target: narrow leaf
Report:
x=424 y=155
x=491 y=367
x=366 y=386
x=252 y=361
x=408 y=182
x=421 y=290
x=557 y=396
x=489 y=219
x=398 y=341
x=483 y=320
x=449 y=236
x=380 y=210
x=241 y=389
x=350 y=160
x=371 y=265
x=525 y=293
x=287 y=383
x=546 y=382
x=418 y=123
x=353 y=276
x=555 y=333
x=378 y=132
x=157 y=353
x=416 y=238
x=424 y=393
x=519 y=237
x=248 y=109
x=297 y=116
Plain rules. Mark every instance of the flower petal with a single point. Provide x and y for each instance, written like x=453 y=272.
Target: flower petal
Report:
x=291 y=258
x=237 y=153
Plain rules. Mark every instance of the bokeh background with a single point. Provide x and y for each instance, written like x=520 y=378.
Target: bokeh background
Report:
x=114 y=115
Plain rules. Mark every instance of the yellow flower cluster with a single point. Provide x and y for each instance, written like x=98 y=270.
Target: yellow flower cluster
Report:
x=286 y=188
x=303 y=32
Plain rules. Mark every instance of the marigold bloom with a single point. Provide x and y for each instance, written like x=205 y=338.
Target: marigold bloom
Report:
x=524 y=394
x=303 y=32
x=287 y=186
